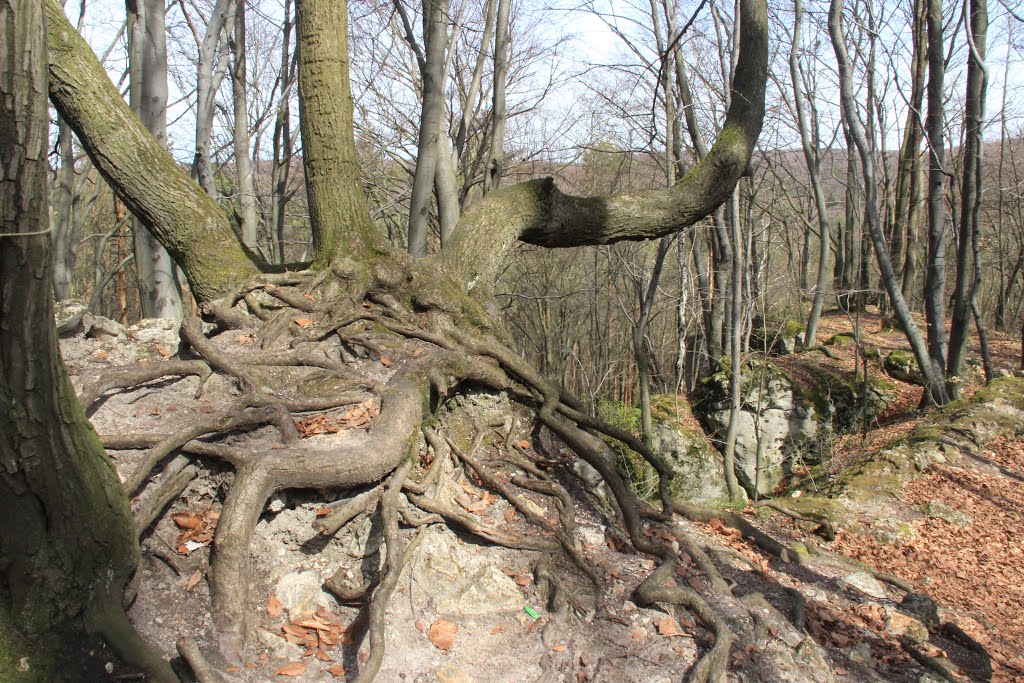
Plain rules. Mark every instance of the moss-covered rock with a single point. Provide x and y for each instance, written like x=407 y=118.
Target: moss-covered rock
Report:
x=902 y=366
x=696 y=465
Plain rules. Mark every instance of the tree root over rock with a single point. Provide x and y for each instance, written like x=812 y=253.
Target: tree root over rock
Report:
x=431 y=356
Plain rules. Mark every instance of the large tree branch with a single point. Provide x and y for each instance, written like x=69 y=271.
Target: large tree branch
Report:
x=186 y=221
x=536 y=212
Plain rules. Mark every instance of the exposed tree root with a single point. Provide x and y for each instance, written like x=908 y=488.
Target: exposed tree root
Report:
x=445 y=357
x=204 y=671
x=132 y=376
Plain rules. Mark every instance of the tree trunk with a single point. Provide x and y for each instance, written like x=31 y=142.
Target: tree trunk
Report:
x=240 y=133
x=908 y=183
x=67 y=538
x=968 y=270
x=159 y=291
x=435 y=16
x=934 y=382
x=282 y=141
x=340 y=218
x=213 y=60
x=63 y=267
x=494 y=169
x=935 y=273
x=189 y=224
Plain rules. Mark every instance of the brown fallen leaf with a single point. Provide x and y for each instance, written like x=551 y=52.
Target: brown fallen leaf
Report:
x=233 y=669
x=524 y=580
x=186 y=520
x=194 y=580
x=303 y=322
x=442 y=634
x=102 y=354
x=323 y=512
x=337 y=670
x=291 y=669
x=524 y=444
x=274 y=607
x=385 y=361
x=667 y=627
x=162 y=351
x=559 y=648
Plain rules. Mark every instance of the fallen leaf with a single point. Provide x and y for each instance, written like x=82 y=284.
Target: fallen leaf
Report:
x=442 y=634
x=497 y=629
x=102 y=354
x=291 y=669
x=186 y=520
x=323 y=656
x=274 y=607
x=385 y=361
x=667 y=627
x=233 y=669
x=524 y=444
x=303 y=322
x=194 y=580
x=524 y=580
x=162 y=351
x=323 y=512
x=639 y=635
x=310 y=297
x=337 y=670
x=559 y=648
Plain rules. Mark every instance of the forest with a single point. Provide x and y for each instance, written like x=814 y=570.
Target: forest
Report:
x=378 y=340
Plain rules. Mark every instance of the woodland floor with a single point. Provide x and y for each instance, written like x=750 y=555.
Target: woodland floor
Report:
x=975 y=572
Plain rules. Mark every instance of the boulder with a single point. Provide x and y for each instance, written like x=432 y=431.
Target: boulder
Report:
x=301 y=592
x=902 y=366
x=97 y=327
x=454 y=578
x=776 y=426
x=68 y=316
x=696 y=465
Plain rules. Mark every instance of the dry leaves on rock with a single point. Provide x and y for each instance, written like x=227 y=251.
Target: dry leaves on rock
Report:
x=197 y=529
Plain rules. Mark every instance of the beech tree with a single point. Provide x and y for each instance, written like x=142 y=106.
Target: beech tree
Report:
x=355 y=277
x=67 y=542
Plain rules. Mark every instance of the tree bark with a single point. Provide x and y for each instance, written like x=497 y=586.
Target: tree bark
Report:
x=537 y=213
x=494 y=169
x=159 y=291
x=968 y=269
x=810 y=149
x=338 y=211
x=67 y=538
x=240 y=132
x=435 y=13
x=935 y=274
x=187 y=221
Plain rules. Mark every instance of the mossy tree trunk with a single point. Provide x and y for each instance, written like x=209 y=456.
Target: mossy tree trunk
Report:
x=67 y=539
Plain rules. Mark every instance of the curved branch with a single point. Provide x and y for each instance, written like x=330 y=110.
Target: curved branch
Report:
x=536 y=212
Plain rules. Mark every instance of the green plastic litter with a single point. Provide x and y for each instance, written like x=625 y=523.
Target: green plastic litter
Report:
x=532 y=612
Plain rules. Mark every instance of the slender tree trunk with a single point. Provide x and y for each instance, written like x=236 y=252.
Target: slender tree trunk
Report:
x=736 y=362
x=213 y=60
x=159 y=290
x=495 y=167
x=63 y=267
x=282 y=140
x=934 y=382
x=968 y=268
x=435 y=18
x=240 y=138
x=908 y=183
x=67 y=537
x=935 y=274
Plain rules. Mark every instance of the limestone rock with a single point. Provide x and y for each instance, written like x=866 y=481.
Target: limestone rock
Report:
x=96 y=326
x=301 y=592
x=455 y=578
x=279 y=647
x=366 y=540
x=697 y=466
x=900 y=625
x=865 y=583
x=163 y=331
x=776 y=424
x=449 y=673
x=936 y=508
x=68 y=316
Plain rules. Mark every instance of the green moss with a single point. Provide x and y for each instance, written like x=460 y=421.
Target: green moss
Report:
x=842 y=340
